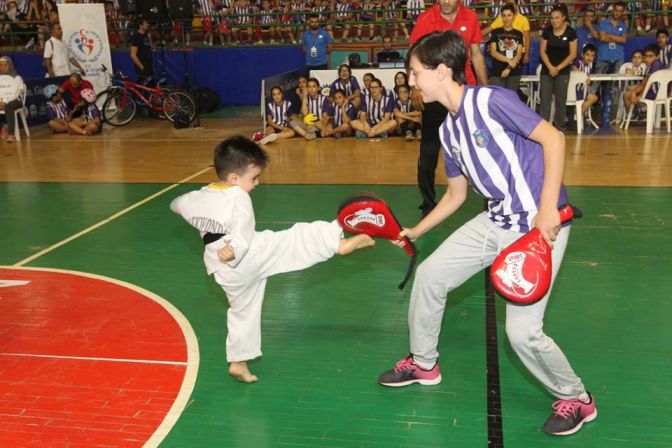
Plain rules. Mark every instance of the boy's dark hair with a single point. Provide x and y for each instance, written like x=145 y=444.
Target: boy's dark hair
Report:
x=508 y=7
x=637 y=51
x=621 y=4
x=589 y=47
x=236 y=154
x=662 y=31
x=446 y=47
x=653 y=48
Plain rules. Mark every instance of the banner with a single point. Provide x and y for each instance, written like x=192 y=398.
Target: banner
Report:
x=85 y=33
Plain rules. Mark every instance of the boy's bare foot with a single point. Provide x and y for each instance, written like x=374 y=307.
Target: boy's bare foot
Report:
x=349 y=245
x=239 y=371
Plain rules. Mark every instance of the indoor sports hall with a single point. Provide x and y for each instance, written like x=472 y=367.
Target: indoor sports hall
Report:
x=112 y=335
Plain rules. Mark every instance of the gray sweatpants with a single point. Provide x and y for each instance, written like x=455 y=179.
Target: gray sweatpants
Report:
x=469 y=250
x=271 y=253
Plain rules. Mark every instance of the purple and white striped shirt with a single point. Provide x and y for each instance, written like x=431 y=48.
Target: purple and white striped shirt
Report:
x=348 y=86
x=279 y=113
x=375 y=110
x=57 y=111
x=487 y=142
x=316 y=105
x=336 y=112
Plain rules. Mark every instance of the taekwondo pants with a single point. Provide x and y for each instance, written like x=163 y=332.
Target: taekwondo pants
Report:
x=469 y=250
x=270 y=253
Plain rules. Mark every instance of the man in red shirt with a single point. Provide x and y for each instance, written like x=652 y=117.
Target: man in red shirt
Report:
x=74 y=85
x=444 y=15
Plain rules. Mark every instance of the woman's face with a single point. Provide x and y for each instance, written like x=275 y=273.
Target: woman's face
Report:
x=4 y=66
x=403 y=94
x=400 y=79
x=424 y=79
x=277 y=95
x=367 y=80
x=557 y=19
x=376 y=90
x=339 y=99
x=507 y=18
x=302 y=83
x=344 y=73
x=312 y=88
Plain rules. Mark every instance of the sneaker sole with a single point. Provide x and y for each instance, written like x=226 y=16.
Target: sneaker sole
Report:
x=433 y=382
x=575 y=429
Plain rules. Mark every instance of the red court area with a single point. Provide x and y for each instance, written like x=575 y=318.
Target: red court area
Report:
x=84 y=362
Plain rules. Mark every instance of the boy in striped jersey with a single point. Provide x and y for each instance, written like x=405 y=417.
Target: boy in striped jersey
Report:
x=57 y=111
x=514 y=158
x=664 y=47
x=585 y=64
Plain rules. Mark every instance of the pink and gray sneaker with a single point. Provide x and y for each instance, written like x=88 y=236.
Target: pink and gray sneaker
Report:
x=408 y=372
x=569 y=415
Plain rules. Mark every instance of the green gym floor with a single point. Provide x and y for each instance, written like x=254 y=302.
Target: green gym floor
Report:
x=330 y=330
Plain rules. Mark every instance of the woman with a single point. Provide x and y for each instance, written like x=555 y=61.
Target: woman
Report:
x=11 y=86
x=348 y=84
x=557 y=52
x=506 y=50
x=375 y=117
x=400 y=79
x=513 y=158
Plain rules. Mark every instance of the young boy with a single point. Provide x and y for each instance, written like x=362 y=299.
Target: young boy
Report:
x=514 y=159
x=57 y=111
x=91 y=122
x=664 y=47
x=585 y=64
x=240 y=258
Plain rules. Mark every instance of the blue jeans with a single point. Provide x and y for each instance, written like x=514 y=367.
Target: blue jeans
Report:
x=607 y=67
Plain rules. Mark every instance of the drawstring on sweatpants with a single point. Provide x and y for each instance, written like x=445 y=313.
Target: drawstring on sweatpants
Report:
x=485 y=242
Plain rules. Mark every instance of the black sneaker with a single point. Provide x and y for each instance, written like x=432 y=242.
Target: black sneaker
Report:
x=569 y=415
x=407 y=372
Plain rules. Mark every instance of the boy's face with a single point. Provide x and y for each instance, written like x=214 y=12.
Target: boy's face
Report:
x=637 y=59
x=588 y=57
x=649 y=57
x=661 y=38
x=248 y=180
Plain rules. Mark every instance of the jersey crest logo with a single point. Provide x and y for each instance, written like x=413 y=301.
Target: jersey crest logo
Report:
x=481 y=139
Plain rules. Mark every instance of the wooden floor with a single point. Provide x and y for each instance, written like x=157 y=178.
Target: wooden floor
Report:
x=151 y=151
x=111 y=334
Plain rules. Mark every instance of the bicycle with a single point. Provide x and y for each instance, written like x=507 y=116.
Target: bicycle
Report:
x=124 y=96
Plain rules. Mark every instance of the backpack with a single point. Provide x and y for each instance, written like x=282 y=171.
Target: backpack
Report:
x=181 y=119
x=207 y=100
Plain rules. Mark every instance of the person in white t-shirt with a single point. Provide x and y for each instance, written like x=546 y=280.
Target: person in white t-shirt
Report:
x=57 y=56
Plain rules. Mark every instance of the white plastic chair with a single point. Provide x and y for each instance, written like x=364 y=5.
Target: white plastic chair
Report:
x=20 y=113
x=577 y=78
x=663 y=78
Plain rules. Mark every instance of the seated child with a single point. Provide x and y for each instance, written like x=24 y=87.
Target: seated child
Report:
x=57 y=110
x=375 y=116
x=585 y=64
x=409 y=120
x=312 y=102
x=278 y=112
x=633 y=93
x=90 y=122
x=338 y=116
x=240 y=258
x=636 y=66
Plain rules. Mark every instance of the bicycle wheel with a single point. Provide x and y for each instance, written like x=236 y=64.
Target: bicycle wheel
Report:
x=119 y=109
x=176 y=101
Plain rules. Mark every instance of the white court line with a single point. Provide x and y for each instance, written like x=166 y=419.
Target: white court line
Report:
x=108 y=219
x=87 y=358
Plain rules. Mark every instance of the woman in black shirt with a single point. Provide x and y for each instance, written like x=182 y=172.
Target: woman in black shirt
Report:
x=557 y=52
x=506 y=50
